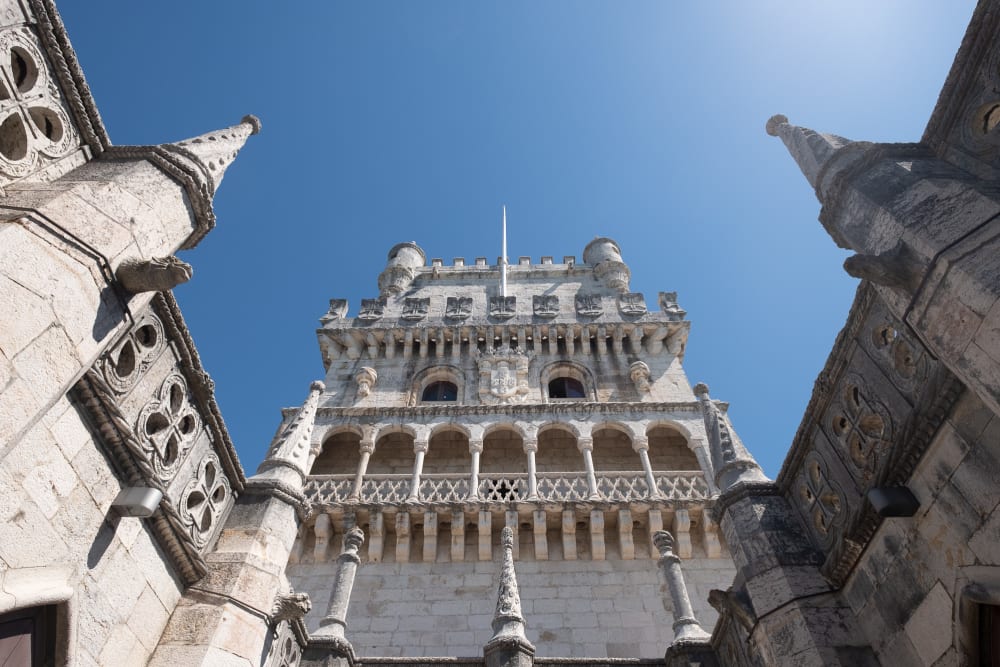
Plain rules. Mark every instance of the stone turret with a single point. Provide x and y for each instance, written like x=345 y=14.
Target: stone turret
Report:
x=606 y=257
x=400 y=269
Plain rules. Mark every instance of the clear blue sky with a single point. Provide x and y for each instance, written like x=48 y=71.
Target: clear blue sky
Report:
x=396 y=121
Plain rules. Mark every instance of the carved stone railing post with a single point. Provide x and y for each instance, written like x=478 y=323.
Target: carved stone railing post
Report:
x=686 y=626
x=367 y=448
x=419 y=451
x=475 y=450
x=530 y=447
x=333 y=625
x=508 y=647
x=586 y=447
x=641 y=446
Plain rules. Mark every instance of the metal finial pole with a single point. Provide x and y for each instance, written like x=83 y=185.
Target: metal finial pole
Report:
x=503 y=256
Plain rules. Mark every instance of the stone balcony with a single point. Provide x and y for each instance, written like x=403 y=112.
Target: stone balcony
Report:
x=552 y=487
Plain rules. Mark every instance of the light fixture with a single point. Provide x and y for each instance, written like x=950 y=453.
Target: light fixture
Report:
x=137 y=501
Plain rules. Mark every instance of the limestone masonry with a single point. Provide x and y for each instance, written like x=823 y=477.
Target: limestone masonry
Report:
x=502 y=465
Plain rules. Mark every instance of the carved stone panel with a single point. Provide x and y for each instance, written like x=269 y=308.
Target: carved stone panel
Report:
x=545 y=305
x=668 y=304
x=503 y=307
x=458 y=307
x=371 y=309
x=168 y=425
x=338 y=310
x=862 y=426
x=632 y=303
x=415 y=309
x=822 y=500
x=589 y=305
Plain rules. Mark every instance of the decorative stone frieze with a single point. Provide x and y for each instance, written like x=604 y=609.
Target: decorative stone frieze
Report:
x=632 y=303
x=589 y=305
x=458 y=307
x=545 y=305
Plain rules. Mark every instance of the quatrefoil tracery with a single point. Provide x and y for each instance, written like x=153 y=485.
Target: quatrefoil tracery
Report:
x=33 y=122
x=168 y=426
x=204 y=499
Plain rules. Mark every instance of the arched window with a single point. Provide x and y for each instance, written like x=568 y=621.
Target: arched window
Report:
x=441 y=390
x=566 y=387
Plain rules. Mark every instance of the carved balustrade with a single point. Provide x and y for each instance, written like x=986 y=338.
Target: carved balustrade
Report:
x=625 y=486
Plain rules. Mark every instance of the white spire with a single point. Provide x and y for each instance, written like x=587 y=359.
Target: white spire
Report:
x=503 y=256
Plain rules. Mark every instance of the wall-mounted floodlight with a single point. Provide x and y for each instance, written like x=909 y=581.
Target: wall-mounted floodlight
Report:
x=140 y=501
x=893 y=501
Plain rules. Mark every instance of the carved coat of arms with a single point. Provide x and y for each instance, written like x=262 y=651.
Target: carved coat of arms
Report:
x=632 y=303
x=503 y=307
x=415 y=309
x=503 y=375
x=545 y=305
x=458 y=307
x=371 y=309
x=589 y=305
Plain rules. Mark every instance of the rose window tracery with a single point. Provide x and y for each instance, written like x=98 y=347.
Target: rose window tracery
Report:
x=33 y=121
x=864 y=429
x=168 y=425
x=821 y=500
x=204 y=499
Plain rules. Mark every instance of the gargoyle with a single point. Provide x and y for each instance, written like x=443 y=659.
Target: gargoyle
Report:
x=291 y=606
x=157 y=274
x=736 y=603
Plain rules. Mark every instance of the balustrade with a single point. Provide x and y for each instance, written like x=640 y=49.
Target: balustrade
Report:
x=551 y=487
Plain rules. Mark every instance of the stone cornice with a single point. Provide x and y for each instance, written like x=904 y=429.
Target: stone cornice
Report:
x=571 y=410
x=650 y=320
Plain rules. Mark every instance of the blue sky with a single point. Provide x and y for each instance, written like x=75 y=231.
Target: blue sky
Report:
x=397 y=121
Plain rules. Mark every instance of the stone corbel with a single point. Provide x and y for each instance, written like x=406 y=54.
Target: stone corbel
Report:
x=639 y=372
x=365 y=379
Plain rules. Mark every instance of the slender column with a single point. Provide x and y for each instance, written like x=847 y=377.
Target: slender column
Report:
x=640 y=445
x=597 y=550
x=553 y=340
x=334 y=623
x=423 y=344
x=376 y=528
x=430 y=536
x=586 y=447
x=570 y=339
x=686 y=626
x=475 y=449
x=530 y=447
x=419 y=451
x=402 y=537
x=539 y=531
x=602 y=341
x=456 y=343
x=439 y=347
x=367 y=448
x=407 y=343
x=521 y=339
x=504 y=337
x=616 y=340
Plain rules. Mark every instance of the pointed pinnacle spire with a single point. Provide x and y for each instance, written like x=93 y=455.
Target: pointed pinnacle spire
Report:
x=811 y=150
x=213 y=152
x=291 y=449
x=732 y=462
x=508 y=622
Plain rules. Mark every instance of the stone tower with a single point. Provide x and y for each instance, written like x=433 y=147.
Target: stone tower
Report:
x=559 y=410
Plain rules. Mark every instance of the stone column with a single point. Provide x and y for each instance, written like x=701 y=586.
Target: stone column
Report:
x=686 y=626
x=586 y=447
x=419 y=451
x=508 y=647
x=475 y=449
x=367 y=448
x=641 y=446
x=329 y=640
x=530 y=447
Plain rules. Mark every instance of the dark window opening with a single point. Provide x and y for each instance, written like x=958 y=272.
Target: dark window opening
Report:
x=27 y=637
x=440 y=391
x=989 y=635
x=565 y=387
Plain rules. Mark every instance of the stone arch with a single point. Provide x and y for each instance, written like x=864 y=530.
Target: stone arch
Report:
x=393 y=453
x=448 y=451
x=670 y=448
x=613 y=448
x=557 y=449
x=436 y=373
x=340 y=452
x=570 y=369
x=503 y=450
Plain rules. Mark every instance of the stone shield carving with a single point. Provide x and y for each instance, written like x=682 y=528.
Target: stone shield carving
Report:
x=371 y=309
x=503 y=307
x=458 y=307
x=589 y=305
x=545 y=305
x=632 y=303
x=503 y=375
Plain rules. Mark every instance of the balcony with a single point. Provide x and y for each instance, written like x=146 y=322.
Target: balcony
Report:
x=554 y=487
